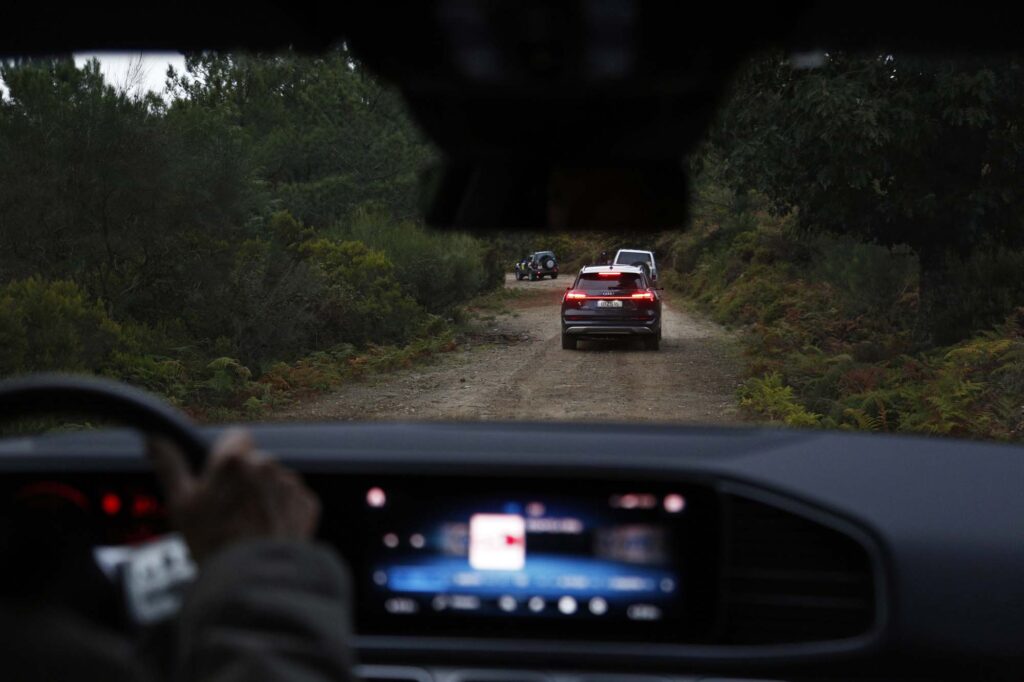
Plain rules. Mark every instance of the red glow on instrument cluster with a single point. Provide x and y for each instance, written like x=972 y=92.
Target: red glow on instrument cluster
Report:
x=53 y=489
x=144 y=505
x=110 y=503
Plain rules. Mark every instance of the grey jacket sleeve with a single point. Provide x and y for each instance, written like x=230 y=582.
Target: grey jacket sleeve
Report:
x=50 y=644
x=267 y=610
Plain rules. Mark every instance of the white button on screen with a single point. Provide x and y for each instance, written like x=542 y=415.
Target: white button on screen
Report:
x=598 y=606
x=567 y=605
x=674 y=503
x=400 y=605
x=643 y=612
x=497 y=542
x=535 y=509
x=536 y=604
x=464 y=602
x=376 y=498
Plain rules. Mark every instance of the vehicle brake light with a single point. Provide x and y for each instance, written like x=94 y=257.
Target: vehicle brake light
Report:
x=575 y=296
x=609 y=274
x=643 y=296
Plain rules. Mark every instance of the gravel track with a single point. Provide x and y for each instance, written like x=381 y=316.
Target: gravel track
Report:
x=517 y=370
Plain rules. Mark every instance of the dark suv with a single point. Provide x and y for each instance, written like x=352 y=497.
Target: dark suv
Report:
x=537 y=266
x=611 y=301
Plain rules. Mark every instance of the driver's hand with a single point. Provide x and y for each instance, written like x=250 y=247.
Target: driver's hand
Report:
x=242 y=494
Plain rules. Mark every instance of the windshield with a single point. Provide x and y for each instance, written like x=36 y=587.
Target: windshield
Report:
x=241 y=234
x=603 y=282
x=633 y=257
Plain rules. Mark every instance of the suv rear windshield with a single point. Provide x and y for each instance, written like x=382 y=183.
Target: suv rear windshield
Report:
x=592 y=281
x=633 y=257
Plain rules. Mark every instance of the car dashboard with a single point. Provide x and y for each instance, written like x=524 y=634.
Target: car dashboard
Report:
x=543 y=551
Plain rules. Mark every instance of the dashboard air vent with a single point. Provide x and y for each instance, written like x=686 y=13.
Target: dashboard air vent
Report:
x=787 y=579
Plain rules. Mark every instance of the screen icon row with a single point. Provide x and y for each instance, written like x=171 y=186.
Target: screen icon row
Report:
x=565 y=605
x=416 y=541
x=673 y=503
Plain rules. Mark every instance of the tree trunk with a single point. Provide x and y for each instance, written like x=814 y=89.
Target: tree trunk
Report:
x=941 y=314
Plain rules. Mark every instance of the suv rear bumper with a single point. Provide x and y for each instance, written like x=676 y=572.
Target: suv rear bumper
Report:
x=605 y=329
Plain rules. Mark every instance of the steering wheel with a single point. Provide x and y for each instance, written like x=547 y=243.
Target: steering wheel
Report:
x=47 y=560
x=46 y=394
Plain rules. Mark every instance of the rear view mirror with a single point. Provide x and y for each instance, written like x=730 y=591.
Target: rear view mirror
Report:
x=517 y=195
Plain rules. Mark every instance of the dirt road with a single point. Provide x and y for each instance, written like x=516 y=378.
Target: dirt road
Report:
x=524 y=374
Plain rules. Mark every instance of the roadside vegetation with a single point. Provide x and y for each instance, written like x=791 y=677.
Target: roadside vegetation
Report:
x=867 y=299
x=240 y=240
x=573 y=250
x=828 y=327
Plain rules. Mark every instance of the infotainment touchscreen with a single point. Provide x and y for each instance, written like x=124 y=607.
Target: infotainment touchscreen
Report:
x=572 y=559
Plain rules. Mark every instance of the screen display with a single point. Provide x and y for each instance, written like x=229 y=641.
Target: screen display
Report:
x=620 y=562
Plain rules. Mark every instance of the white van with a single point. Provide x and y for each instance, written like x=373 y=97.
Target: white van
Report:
x=638 y=257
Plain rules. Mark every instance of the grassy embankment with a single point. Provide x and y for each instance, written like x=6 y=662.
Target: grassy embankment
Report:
x=828 y=327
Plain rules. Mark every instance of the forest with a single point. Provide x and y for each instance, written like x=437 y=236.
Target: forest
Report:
x=862 y=224
x=245 y=235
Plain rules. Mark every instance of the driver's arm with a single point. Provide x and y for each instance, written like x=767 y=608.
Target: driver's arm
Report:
x=267 y=610
x=269 y=603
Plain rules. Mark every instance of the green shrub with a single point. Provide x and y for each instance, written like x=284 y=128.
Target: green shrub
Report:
x=985 y=288
x=169 y=377
x=268 y=310
x=227 y=376
x=363 y=302
x=437 y=269
x=54 y=326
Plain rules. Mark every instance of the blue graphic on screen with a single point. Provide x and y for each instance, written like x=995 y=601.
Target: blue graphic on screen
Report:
x=531 y=557
x=544 y=575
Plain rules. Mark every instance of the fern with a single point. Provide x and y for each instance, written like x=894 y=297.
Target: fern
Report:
x=768 y=397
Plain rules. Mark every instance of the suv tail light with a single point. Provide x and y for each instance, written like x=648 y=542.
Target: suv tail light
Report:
x=578 y=295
